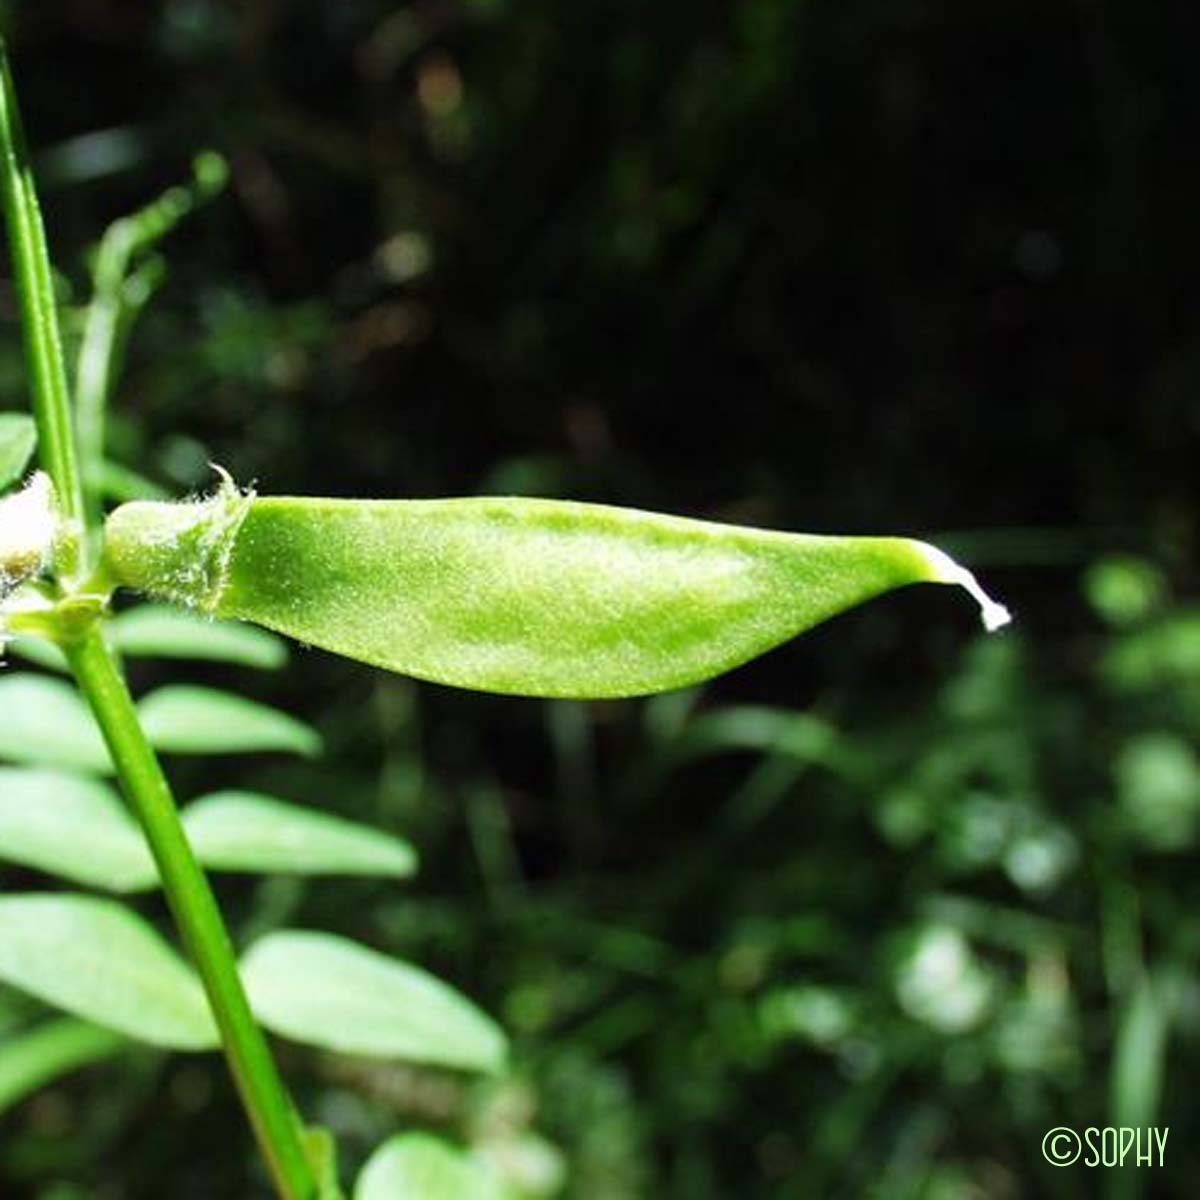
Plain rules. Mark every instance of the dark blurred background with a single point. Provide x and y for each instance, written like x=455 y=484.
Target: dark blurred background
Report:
x=869 y=916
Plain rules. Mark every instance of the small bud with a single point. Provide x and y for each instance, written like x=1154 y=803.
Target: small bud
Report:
x=27 y=530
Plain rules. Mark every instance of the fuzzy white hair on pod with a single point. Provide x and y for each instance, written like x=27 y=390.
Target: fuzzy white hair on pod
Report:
x=28 y=525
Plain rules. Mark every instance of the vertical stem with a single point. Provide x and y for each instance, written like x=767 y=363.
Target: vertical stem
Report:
x=196 y=913
x=39 y=312
x=271 y=1113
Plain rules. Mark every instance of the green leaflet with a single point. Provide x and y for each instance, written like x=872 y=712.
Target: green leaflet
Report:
x=46 y=723
x=330 y=992
x=180 y=719
x=18 y=440
x=35 y=650
x=241 y=831
x=120 y=483
x=419 y=1166
x=29 y=1061
x=531 y=597
x=101 y=962
x=154 y=631
x=73 y=826
x=321 y=1149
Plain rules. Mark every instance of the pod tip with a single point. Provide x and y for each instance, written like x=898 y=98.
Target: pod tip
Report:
x=995 y=615
x=945 y=570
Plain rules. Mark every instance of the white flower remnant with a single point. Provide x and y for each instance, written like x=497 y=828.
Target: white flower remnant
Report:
x=994 y=614
x=27 y=530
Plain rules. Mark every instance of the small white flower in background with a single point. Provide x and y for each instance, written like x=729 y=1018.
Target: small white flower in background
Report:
x=27 y=529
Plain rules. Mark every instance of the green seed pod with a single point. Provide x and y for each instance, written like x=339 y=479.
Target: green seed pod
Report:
x=530 y=597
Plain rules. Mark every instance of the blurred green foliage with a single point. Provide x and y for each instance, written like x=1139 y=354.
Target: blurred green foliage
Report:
x=866 y=918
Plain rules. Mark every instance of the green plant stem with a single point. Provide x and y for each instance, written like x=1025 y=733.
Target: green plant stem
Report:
x=271 y=1113
x=195 y=909
x=118 y=297
x=93 y=376
x=39 y=316
x=125 y=275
